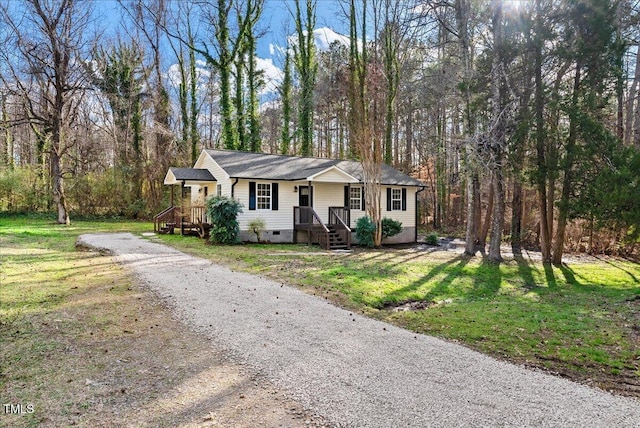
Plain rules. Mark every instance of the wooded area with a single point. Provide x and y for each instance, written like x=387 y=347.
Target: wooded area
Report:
x=522 y=117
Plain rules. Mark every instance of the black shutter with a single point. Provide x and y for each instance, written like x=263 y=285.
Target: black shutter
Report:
x=404 y=199
x=347 y=203
x=362 y=201
x=274 y=196
x=310 y=196
x=388 y=198
x=252 y=195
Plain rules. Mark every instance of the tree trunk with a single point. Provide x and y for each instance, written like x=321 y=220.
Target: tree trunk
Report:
x=470 y=247
x=484 y=230
x=631 y=126
x=58 y=189
x=541 y=158
x=497 y=223
x=516 y=215
x=567 y=181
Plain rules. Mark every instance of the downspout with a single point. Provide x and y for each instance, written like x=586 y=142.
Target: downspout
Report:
x=234 y=185
x=416 y=213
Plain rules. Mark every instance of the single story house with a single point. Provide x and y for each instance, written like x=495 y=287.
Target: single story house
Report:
x=299 y=198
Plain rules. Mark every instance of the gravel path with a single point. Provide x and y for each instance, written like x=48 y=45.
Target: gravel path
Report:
x=355 y=371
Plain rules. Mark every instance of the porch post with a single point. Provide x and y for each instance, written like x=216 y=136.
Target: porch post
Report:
x=348 y=207
x=182 y=208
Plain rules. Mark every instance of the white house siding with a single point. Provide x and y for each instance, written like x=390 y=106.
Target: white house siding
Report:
x=206 y=162
x=327 y=195
x=280 y=221
x=407 y=218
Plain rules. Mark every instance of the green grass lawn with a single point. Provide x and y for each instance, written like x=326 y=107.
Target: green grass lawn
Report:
x=581 y=319
x=53 y=301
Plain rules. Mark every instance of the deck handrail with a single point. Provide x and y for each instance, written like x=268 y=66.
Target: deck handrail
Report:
x=198 y=214
x=341 y=227
x=336 y=219
x=168 y=215
x=318 y=231
x=315 y=218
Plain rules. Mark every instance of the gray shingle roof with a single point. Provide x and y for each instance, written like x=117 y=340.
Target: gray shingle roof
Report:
x=192 y=174
x=289 y=168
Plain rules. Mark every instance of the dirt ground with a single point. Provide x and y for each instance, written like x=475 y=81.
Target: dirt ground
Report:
x=116 y=357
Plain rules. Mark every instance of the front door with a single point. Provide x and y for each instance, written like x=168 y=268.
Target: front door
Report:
x=304 y=200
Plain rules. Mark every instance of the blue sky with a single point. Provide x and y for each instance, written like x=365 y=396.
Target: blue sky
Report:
x=277 y=20
x=276 y=24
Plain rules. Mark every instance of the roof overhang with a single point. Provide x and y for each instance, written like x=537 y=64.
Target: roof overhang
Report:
x=335 y=171
x=188 y=176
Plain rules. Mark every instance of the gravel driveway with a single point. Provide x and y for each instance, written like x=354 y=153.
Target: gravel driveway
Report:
x=354 y=371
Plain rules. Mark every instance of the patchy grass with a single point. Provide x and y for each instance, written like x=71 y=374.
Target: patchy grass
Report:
x=580 y=320
x=81 y=344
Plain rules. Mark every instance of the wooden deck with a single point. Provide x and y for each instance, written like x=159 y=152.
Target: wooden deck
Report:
x=190 y=221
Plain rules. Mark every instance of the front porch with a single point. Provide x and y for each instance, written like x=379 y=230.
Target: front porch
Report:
x=334 y=235
x=189 y=220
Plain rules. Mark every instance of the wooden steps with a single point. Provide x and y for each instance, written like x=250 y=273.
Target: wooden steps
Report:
x=336 y=241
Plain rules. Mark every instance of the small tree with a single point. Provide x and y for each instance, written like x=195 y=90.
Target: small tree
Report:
x=223 y=212
x=257 y=226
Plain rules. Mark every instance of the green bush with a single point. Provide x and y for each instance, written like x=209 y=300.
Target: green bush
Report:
x=390 y=227
x=365 y=228
x=431 y=239
x=223 y=212
x=23 y=190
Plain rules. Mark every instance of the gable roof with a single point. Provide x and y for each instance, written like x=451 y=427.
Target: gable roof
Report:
x=292 y=168
x=175 y=175
x=336 y=173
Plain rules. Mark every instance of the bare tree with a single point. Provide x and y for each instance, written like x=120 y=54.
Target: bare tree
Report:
x=48 y=42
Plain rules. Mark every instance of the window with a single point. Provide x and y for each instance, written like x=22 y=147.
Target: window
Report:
x=396 y=199
x=263 y=196
x=219 y=190
x=355 y=198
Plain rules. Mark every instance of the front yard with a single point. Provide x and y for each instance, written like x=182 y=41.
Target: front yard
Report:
x=580 y=320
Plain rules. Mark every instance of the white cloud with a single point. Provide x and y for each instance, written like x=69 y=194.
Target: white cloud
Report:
x=325 y=36
x=271 y=73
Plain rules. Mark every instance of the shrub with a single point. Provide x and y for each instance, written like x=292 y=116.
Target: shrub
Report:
x=257 y=226
x=365 y=228
x=390 y=227
x=223 y=212
x=431 y=239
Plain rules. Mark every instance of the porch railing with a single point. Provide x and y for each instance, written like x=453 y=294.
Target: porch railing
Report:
x=166 y=221
x=339 y=219
x=305 y=218
x=186 y=219
x=195 y=214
